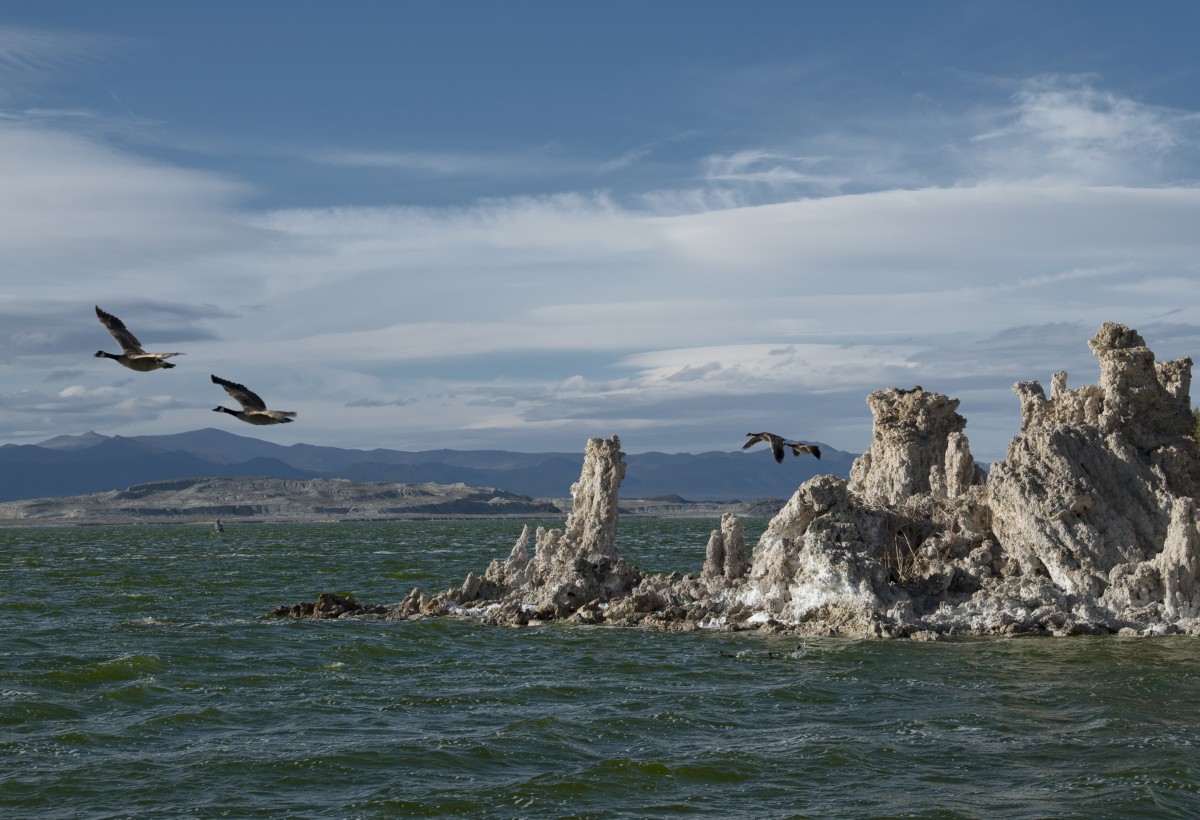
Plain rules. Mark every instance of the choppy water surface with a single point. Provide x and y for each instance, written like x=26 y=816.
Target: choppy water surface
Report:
x=138 y=679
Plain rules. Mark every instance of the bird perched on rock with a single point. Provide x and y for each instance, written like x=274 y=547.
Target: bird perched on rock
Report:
x=132 y=355
x=254 y=410
x=778 y=443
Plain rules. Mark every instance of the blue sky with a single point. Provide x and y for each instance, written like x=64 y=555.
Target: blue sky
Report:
x=518 y=225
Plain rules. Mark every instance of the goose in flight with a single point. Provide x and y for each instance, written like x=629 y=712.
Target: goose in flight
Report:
x=778 y=443
x=800 y=449
x=775 y=441
x=254 y=410
x=132 y=355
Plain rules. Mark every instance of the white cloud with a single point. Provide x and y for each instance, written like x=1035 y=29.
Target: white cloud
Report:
x=78 y=391
x=626 y=159
x=381 y=402
x=742 y=369
x=72 y=209
x=545 y=161
x=1066 y=128
x=861 y=291
x=773 y=169
x=1061 y=128
x=507 y=320
x=634 y=156
x=30 y=57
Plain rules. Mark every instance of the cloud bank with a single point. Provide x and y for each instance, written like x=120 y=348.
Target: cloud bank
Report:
x=775 y=290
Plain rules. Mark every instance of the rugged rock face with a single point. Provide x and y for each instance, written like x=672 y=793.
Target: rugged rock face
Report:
x=1097 y=494
x=1090 y=525
x=871 y=555
x=570 y=567
x=917 y=449
x=725 y=558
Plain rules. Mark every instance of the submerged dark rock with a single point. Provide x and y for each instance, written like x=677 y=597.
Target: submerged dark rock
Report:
x=329 y=605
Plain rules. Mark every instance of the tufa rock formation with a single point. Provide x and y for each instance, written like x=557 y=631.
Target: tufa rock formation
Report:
x=1097 y=494
x=572 y=567
x=908 y=531
x=1089 y=525
x=726 y=559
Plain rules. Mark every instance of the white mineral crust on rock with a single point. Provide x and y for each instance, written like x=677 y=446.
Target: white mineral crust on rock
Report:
x=1090 y=524
x=863 y=556
x=1097 y=492
x=579 y=564
x=725 y=558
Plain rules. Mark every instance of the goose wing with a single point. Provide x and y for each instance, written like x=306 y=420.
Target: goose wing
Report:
x=775 y=441
x=754 y=439
x=248 y=399
x=128 y=342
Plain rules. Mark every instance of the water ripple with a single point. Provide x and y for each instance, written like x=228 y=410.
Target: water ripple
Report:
x=138 y=679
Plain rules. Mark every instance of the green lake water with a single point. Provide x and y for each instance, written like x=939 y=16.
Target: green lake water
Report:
x=138 y=678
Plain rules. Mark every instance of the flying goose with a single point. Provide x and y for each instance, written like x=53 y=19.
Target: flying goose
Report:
x=775 y=441
x=132 y=355
x=798 y=448
x=777 y=444
x=254 y=410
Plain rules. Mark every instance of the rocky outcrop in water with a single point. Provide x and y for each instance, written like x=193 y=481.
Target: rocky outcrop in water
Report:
x=725 y=559
x=572 y=567
x=1090 y=525
x=1096 y=498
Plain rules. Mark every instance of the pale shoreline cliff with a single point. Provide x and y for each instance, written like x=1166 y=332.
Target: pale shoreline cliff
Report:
x=1088 y=526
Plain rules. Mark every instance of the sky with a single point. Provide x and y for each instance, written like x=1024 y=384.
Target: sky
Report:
x=481 y=225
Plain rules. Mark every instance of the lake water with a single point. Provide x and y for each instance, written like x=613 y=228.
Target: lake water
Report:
x=138 y=678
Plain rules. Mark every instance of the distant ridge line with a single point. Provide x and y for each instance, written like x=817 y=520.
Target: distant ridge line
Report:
x=74 y=465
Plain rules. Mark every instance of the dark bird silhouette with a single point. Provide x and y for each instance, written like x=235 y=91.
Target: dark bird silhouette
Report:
x=778 y=443
x=254 y=410
x=775 y=441
x=132 y=355
x=799 y=449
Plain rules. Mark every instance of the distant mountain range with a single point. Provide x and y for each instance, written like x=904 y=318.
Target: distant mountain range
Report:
x=88 y=463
